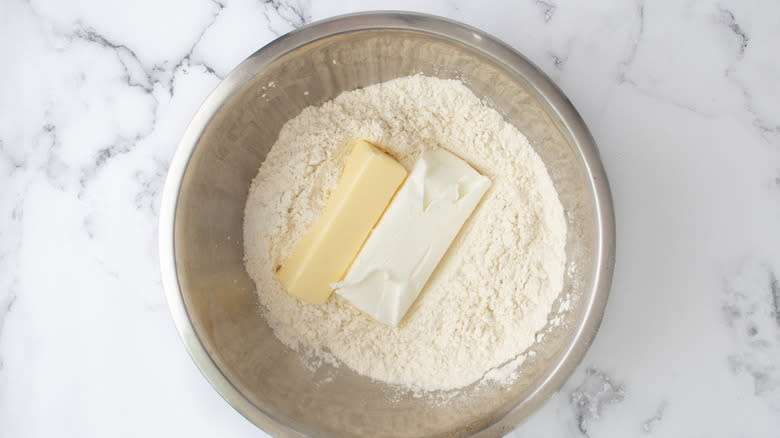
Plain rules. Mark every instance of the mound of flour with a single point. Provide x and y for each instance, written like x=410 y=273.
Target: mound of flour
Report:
x=494 y=288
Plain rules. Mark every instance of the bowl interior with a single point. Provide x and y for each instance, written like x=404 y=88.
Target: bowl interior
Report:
x=219 y=297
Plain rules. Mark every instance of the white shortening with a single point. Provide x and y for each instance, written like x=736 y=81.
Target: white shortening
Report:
x=412 y=236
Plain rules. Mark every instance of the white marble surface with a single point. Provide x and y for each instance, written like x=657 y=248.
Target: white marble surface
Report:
x=682 y=98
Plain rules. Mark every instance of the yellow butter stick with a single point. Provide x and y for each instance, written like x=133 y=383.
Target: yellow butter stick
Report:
x=368 y=183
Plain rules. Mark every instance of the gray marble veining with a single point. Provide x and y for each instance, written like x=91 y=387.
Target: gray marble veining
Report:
x=681 y=98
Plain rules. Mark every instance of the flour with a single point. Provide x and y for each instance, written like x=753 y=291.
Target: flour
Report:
x=495 y=286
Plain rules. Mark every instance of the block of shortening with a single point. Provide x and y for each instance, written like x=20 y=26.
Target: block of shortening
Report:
x=413 y=235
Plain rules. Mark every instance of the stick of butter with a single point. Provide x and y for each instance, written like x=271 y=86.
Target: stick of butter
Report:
x=368 y=183
x=412 y=236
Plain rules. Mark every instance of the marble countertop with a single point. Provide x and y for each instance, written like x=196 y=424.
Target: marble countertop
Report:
x=682 y=98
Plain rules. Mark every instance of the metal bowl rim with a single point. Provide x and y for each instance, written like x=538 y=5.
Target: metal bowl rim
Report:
x=574 y=127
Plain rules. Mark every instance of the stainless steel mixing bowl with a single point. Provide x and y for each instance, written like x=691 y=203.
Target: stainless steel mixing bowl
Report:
x=213 y=300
